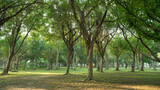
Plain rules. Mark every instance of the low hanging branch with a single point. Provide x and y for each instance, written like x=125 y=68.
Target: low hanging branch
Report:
x=141 y=40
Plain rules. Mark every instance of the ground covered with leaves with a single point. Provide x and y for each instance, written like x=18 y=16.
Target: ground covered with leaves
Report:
x=55 y=79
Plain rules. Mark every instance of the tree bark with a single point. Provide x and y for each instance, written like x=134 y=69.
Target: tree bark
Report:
x=89 y=61
x=142 y=63
x=133 y=63
x=101 y=63
x=137 y=59
x=98 y=67
x=69 y=57
x=6 y=69
x=117 y=64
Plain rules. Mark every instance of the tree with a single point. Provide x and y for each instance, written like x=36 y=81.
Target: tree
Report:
x=133 y=48
x=142 y=18
x=89 y=16
x=13 y=38
x=117 y=45
x=102 y=41
x=64 y=24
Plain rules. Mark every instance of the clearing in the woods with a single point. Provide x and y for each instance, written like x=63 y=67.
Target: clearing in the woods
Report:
x=55 y=79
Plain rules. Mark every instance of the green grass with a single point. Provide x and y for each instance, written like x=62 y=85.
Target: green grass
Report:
x=110 y=79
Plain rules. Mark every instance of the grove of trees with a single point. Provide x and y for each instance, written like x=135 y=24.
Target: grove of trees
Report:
x=51 y=34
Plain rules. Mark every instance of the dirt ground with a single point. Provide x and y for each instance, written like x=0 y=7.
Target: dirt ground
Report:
x=62 y=82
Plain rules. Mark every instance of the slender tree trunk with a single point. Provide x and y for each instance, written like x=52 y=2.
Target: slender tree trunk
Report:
x=101 y=63
x=117 y=64
x=25 y=65
x=137 y=59
x=17 y=66
x=57 y=59
x=35 y=64
x=69 y=57
x=107 y=62
x=133 y=64
x=74 y=61
x=154 y=65
x=81 y=65
x=142 y=63
x=98 y=67
x=126 y=65
x=89 y=61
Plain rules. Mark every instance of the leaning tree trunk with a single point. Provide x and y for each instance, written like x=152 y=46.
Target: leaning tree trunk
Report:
x=89 y=61
x=117 y=64
x=98 y=67
x=142 y=63
x=6 y=69
x=133 y=63
x=69 y=58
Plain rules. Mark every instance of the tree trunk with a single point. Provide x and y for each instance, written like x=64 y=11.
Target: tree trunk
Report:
x=74 y=61
x=6 y=69
x=126 y=65
x=69 y=57
x=25 y=65
x=98 y=67
x=117 y=64
x=137 y=59
x=17 y=66
x=101 y=63
x=154 y=65
x=142 y=63
x=10 y=68
x=107 y=62
x=89 y=61
x=35 y=64
x=133 y=64
x=57 y=59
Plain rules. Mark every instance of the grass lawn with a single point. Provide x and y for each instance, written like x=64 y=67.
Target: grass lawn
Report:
x=43 y=79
